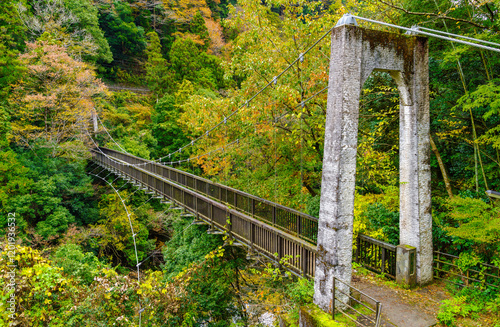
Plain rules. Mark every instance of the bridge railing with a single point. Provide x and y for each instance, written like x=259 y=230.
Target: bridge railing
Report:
x=446 y=266
x=297 y=223
x=375 y=255
x=346 y=303
x=259 y=236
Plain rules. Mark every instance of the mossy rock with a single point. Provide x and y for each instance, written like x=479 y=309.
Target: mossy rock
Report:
x=312 y=316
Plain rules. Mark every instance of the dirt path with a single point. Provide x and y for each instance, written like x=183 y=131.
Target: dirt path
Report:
x=403 y=308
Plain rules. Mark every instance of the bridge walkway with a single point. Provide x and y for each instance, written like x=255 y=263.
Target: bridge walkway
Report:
x=284 y=233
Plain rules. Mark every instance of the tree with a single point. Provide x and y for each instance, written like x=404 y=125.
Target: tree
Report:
x=11 y=37
x=189 y=63
x=183 y=11
x=473 y=219
x=184 y=59
x=165 y=126
x=54 y=99
x=87 y=14
x=115 y=235
x=125 y=38
x=158 y=75
x=197 y=26
x=72 y=23
x=127 y=116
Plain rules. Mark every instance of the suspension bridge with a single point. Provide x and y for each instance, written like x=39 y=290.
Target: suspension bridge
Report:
x=321 y=248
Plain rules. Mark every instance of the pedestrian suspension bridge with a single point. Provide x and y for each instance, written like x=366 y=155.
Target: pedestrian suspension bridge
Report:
x=322 y=248
x=267 y=228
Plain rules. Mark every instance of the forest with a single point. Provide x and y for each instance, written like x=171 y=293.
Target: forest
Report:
x=182 y=82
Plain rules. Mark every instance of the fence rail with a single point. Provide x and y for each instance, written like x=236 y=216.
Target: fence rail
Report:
x=376 y=255
x=355 y=315
x=292 y=221
x=259 y=236
x=446 y=267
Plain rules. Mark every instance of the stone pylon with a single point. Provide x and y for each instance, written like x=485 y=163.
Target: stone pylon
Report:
x=355 y=54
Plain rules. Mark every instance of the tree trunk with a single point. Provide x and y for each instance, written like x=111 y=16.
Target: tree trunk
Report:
x=441 y=166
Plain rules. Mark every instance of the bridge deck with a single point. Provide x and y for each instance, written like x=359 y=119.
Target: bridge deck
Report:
x=289 y=220
x=283 y=233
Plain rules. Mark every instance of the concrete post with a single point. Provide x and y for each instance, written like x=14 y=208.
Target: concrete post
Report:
x=355 y=53
x=406 y=265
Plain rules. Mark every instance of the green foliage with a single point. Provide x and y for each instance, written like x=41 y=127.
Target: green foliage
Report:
x=55 y=223
x=41 y=289
x=183 y=57
x=198 y=67
x=197 y=26
x=473 y=219
x=378 y=146
x=484 y=102
x=11 y=37
x=82 y=266
x=158 y=75
x=212 y=272
x=14 y=186
x=301 y=292
x=376 y=215
x=188 y=245
x=127 y=117
x=220 y=7
x=380 y=218
x=313 y=206
x=46 y=193
x=4 y=126
x=125 y=38
x=87 y=14
x=165 y=126
x=46 y=295
x=115 y=239
x=211 y=293
x=469 y=302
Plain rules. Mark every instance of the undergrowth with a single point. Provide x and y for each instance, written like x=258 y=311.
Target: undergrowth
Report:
x=478 y=304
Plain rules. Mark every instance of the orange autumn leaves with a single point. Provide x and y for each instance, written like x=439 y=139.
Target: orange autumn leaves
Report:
x=54 y=99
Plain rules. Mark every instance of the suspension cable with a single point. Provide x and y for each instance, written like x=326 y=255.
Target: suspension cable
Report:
x=417 y=30
x=245 y=104
x=456 y=35
x=133 y=238
x=110 y=134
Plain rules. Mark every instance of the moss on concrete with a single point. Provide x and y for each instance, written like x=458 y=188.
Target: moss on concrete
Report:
x=318 y=318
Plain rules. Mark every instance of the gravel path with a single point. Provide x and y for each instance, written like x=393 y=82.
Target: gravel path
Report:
x=403 y=308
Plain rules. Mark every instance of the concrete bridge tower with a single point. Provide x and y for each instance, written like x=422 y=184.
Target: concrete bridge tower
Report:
x=355 y=54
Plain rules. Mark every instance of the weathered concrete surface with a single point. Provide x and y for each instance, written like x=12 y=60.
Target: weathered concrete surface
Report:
x=406 y=265
x=305 y=319
x=355 y=53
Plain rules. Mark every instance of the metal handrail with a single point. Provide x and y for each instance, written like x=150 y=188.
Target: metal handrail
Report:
x=259 y=236
x=380 y=243
x=303 y=222
x=376 y=255
x=378 y=306
x=439 y=264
